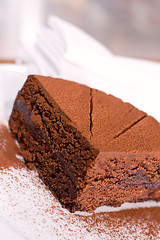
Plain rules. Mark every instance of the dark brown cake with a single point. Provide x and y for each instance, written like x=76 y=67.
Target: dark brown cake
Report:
x=61 y=127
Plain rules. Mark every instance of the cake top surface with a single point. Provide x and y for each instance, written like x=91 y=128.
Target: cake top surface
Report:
x=106 y=121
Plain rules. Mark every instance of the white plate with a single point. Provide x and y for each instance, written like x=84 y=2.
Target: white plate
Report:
x=144 y=95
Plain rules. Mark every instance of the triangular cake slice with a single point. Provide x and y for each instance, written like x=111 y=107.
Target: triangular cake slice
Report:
x=62 y=126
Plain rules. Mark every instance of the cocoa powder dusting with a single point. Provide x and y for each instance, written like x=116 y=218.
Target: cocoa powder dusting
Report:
x=26 y=201
x=9 y=150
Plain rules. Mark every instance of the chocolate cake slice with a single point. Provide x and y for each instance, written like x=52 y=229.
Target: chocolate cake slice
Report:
x=62 y=126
